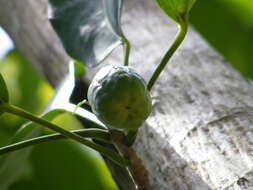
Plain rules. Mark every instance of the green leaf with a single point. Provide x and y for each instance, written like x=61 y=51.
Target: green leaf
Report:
x=13 y=164
x=75 y=167
x=25 y=131
x=4 y=95
x=178 y=10
x=236 y=33
x=89 y=30
x=112 y=11
x=22 y=81
x=51 y=160
x=79 y=69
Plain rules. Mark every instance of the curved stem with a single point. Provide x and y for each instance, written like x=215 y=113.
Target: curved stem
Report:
x=127 y=48
x=105 y=151
x=80 y=104
x=178 y=40
x=91 y=133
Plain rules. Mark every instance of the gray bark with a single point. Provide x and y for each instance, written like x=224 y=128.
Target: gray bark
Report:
x=26 y=22
x=199 y=135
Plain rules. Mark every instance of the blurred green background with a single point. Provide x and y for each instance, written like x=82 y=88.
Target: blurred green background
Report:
x=64 y=165
x=228 y=26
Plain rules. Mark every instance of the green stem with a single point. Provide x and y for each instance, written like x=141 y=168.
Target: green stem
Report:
x=127 y=48
x=105 y=151
x=91 y=133
x=178 y=40
x=130 y=137
x=80 y=104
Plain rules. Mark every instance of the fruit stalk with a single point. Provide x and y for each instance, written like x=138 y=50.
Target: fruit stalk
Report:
x=98 y=134
x=105 y=151
x=127 y=48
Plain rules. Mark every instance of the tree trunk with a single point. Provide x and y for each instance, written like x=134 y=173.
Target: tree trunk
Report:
x=26 y=22
x=199 y=135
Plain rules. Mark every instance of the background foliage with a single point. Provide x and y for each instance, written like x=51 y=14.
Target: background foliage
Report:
x=226 y=24
x=60 y=165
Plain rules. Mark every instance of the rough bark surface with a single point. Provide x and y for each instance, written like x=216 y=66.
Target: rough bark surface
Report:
x=199 y=135
x=26 y=22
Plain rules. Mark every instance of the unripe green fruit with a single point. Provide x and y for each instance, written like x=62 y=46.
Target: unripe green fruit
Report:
x=119 y=97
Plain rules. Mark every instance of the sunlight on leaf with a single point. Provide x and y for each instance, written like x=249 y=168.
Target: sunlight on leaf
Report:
x=241 y=8
x=22 y=81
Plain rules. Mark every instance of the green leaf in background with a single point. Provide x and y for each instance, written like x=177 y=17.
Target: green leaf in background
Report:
x=4 y=96
x=178 y=10
x=26 y=90
x=29 y=91
x=13 y=164
x=242 y=9
x=29 y=128
x=79 y=69
x=89 y=30
x=65 y=165
x=228 y=26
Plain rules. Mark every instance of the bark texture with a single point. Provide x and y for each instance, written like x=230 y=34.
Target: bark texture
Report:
x=200 y=133
x=26 y=22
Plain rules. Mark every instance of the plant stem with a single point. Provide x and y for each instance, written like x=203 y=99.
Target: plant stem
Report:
x=80 y=104
x=127 y=48
x=91 y=133
x=105 y=151
x=130 y=138
x=178 y=40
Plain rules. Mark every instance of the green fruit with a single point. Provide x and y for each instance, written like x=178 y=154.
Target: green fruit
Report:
x=119 y=97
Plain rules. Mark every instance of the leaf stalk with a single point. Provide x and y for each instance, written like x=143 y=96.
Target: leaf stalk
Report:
x=98 y=134
x=127 y=48
x=103 y=150
x=177 y=41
